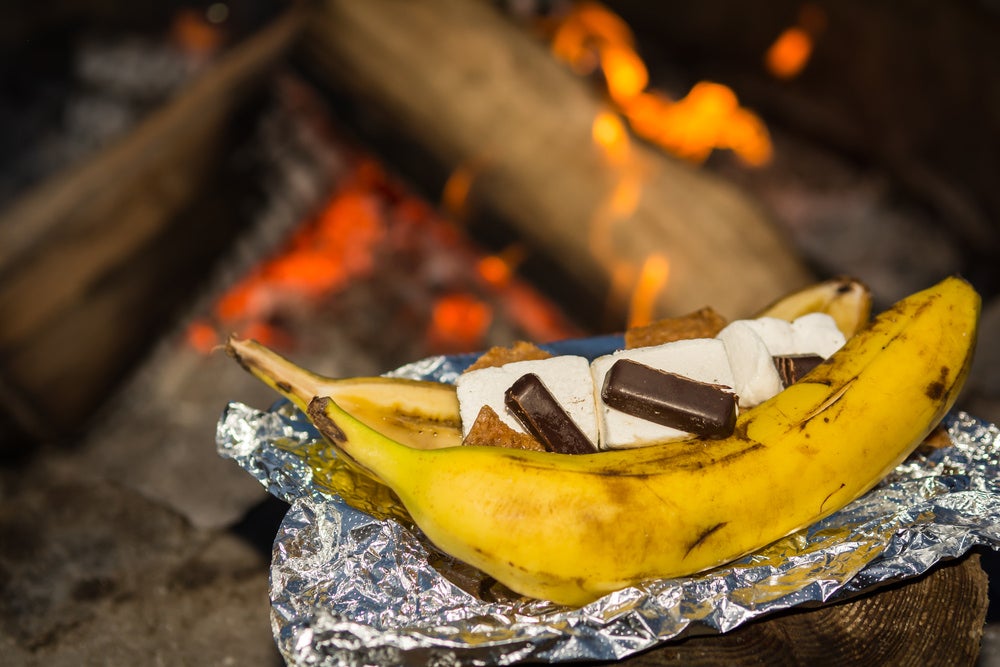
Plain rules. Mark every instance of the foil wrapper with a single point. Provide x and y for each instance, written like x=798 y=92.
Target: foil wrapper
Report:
x=349 y=589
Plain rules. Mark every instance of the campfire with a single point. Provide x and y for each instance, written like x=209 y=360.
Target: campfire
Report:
x=441 y=158
x=361 y=185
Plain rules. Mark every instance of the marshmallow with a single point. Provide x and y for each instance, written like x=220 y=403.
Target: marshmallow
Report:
x=755 y=377
x=566 y=377
x=816 y=333
x=775 y=333
x=702 y=359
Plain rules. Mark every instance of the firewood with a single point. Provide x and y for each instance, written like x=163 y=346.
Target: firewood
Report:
x=469 y=87
x=83 y=266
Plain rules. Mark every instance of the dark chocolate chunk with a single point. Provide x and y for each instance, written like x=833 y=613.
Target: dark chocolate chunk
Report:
x=792 y=367
x=669 y=399
x=539 y=412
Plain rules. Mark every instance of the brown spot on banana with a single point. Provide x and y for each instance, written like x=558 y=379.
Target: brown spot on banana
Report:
x=830 y=495
x=937 y=389
x=231 y=351
x=328 y=427
x=828 y=403
x=704 y=536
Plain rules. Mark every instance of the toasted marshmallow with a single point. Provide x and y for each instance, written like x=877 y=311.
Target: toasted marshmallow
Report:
x=566 y=377
x=701 y=359
x=755 y=377
x=816 y=333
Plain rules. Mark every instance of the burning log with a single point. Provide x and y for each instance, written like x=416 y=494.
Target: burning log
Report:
x=92 y=259
x=471 y=88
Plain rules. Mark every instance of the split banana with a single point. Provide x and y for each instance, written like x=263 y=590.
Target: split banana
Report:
x=415 y=413
x=570 y=528
x=847 y=300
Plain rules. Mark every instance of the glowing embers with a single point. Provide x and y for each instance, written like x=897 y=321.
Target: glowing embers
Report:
x=383 y=263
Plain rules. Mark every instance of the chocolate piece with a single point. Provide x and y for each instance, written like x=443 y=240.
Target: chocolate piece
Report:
x=541 y=415
x=669 y=399
x=792 y=367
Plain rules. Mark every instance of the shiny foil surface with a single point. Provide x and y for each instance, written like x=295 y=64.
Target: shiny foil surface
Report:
x=348 y=589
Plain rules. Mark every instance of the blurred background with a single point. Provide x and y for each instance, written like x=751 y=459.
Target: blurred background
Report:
x=361 y=185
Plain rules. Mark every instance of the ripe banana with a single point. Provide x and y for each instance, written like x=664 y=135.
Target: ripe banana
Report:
x=570 y=528
x=847 y=300
x=415 y=413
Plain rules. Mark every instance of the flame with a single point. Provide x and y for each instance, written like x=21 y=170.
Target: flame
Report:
x=791 y=51
x=458 y=187
x=195 y=34
x=624 y=72
x=612 y=140
x=708 y=118
x=788 y=55
x=610 y=136
x=652 y=280
x=498 y=270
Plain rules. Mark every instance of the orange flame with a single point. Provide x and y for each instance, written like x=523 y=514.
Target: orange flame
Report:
x=788 y=55
x=652 y=280
x=195 y=34
x=791 y=51
x=610 y=135
x=458 y=188
x=708 y=118
x=498 y=270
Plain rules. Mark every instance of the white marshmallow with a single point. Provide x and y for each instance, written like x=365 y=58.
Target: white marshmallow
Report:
x=755 y=377
x=816 y=333
x=702 y=359
x=775 y=333
x=566 y=377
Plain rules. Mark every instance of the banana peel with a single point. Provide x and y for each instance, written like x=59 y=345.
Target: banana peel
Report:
x=416 y=413
x=571 y=528
x=847 y=300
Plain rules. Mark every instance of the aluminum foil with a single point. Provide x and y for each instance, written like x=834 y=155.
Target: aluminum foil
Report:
x=348 y=589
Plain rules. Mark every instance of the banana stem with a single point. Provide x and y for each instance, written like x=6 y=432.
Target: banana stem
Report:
x=296 y=384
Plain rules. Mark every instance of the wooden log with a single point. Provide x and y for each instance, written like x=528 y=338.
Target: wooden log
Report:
x=84 y=267
x=936 y=619
x=470 y=88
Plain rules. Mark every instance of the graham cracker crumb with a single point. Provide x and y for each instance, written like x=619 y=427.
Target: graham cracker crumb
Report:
x=703 y=323
x=488 y=430
x=519 y=351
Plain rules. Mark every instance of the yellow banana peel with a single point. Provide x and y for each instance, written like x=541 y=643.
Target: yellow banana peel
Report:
x=570 y=528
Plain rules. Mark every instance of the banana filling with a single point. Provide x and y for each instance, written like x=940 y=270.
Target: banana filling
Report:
x=640 y=396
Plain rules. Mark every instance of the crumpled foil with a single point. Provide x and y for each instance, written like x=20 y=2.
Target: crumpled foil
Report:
x=347 y=589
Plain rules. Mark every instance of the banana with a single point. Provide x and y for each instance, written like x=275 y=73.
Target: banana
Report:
x=847 y=300
x=570 y=528
x=415 y=413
